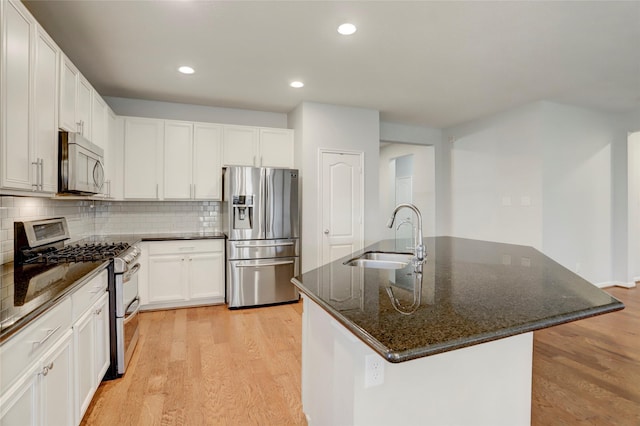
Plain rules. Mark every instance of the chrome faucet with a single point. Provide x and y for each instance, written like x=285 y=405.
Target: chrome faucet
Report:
x=420 y=250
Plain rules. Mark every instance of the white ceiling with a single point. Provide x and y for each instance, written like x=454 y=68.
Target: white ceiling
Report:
x=425 y=63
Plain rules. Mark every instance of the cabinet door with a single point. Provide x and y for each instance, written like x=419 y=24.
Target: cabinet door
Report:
x=45 y=116
x=57 y=384
x=206 y=275
x=166 y=278
x=143 y=139
x=239 y=146
x=178 y=139
x=84 y=335
x=276 y=148
x=102 y=360
x=20 y=405
x=207 y=161
x=69 y=75
x=113 y=156
x=17 y=170
x=98 y=120
x=83 y=107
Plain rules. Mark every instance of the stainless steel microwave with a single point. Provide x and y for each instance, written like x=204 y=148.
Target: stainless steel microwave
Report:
x=81 y=166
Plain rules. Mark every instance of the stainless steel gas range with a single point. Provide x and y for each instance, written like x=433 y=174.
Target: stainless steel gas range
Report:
x=42 y=242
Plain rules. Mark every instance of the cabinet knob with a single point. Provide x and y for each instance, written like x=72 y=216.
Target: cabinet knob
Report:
x=326 y=231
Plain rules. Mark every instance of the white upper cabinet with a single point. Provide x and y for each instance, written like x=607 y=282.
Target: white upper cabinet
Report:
x=276 y=148
x=84 y=106
x=45 y=115
x=28 y=135
x=69 y=76
x=76 y=96
x=143 y=148
x=240 y=145
x=178 y=160
x=192 y=161
x=258 y=147
x=99 y=133
x=113 y=157
x=207 y=161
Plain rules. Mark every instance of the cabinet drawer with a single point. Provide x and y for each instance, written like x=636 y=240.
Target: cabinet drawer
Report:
x=86 y=295
x=25 y=348
x=187 y=246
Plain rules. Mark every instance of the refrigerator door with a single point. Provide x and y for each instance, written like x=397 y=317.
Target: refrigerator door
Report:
x=281 y=203
x=258 y=282
x=245 y=203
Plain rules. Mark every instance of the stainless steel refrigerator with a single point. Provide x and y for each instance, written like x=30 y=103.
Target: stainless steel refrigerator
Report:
x=261 y=220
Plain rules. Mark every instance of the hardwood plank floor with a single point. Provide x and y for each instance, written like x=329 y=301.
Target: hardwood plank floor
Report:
x=213 y=366
x=588 y=372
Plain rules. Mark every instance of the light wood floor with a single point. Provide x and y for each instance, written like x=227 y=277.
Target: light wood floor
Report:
x=210 y=365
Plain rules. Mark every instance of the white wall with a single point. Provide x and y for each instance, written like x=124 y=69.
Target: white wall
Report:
x=321 y=126
x=423 y=185
x=634 y=208
x=496 y=178
x=402 y=133
x=546 y=175
x=188 y=112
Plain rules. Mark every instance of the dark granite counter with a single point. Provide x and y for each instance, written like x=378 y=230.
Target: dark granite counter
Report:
x=183 y=236
x=26 y=292
x=469 y=292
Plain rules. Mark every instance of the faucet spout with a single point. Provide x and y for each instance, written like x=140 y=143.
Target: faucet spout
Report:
x=420 y=249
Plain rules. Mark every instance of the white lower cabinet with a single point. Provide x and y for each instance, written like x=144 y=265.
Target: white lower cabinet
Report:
x=44 y=395
x=51 y=368
x=91 y=342
x=183 y=273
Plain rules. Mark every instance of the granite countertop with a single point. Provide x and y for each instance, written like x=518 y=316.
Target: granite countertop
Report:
x=469 y=292
x=28 y=291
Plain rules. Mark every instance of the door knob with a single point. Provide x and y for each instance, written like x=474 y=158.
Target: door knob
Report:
x=326 y=231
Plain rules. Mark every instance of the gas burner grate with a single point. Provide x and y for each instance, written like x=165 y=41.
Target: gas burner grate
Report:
x=89 y=252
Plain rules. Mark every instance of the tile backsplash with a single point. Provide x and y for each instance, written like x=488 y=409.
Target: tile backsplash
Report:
x=89 y=217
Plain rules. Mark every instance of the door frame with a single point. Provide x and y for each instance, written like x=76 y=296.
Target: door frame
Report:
x=321 y=152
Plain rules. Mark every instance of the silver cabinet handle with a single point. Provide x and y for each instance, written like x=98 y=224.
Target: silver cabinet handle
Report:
x=326 y=231
x=260 y=265
x=47 y=368
x=50 y=333
x=157 y=189
x=36 y=185
x=42 y=174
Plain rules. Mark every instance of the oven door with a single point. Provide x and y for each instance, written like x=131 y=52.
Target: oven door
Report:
x=126 y=289
x=127 y=335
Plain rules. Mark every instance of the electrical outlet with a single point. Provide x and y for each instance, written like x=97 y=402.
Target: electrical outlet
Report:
x=374 y=371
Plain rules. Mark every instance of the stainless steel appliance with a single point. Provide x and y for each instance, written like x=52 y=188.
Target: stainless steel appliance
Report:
x=125 y=305
x=41 y=242
x=81 y=165
x=261 y=220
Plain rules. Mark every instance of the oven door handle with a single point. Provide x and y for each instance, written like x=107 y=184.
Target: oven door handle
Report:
x=260 y=265
x=135 y=269
x=130 y=316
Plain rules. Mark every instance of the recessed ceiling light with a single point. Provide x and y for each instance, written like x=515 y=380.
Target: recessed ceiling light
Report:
x=347 y=29
x=186 y=70
x=296 y=84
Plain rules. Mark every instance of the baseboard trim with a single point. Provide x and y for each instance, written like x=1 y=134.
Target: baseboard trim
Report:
x=607 y=284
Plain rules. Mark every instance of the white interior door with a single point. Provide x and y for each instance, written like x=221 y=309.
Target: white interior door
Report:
x=342 y=211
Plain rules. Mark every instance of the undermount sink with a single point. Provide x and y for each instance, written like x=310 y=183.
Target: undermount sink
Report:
x=381 y=260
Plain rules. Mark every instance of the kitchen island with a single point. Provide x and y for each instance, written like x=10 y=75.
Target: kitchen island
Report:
x=451 y=344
